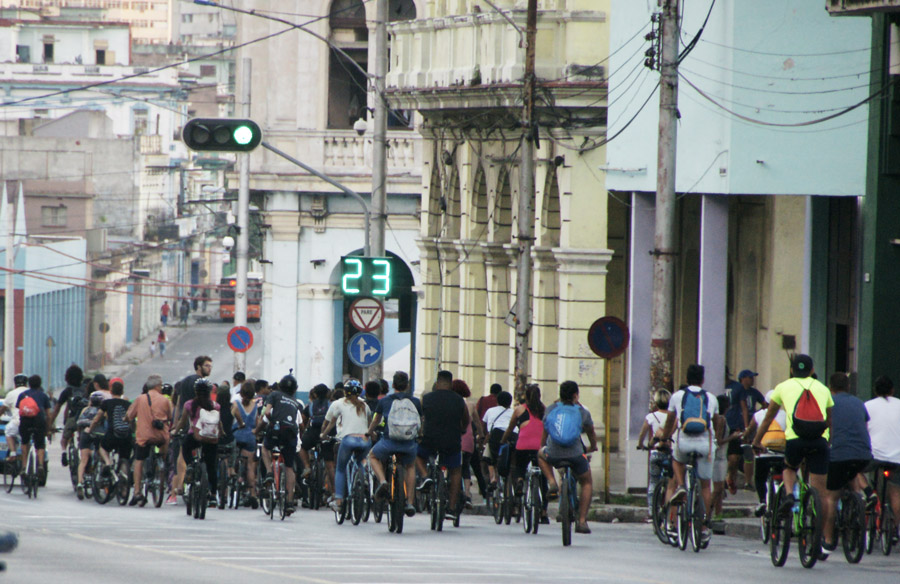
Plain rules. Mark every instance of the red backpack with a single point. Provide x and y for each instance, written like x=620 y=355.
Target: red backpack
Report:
x=28 y=407
x=807 y=420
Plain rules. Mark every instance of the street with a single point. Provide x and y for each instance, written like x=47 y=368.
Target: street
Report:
x=64 y=540
x=204 y=338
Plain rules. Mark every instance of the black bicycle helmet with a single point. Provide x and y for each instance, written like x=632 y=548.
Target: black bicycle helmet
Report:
x=288 y=384
x=203 y=386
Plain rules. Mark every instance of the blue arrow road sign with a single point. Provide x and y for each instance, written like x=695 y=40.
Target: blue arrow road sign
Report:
x=364 y=349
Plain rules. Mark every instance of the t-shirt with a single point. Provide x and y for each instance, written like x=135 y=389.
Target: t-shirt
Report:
x=656 y=421
x=849 y=433
x=497 y=417
x=787 y=393
x=11 y=400
x=735 y=392
x=43 y=401
x=186 y=391
x=349 y=419
x=315 y=412
x=109 y=406
x=779 y=418
x=285 y=409
x=555 y=450
x=712 y=405
x=194 y=416
x=485 y=403
x=384 y=405
x=236 y=392
x=884 y=428
x=141 y=411
x=444 y=412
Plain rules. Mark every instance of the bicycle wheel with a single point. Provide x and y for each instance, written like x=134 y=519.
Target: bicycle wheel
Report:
x=564 y=511
x=318 y=486
x=73 y=459
x=697 y=518
x=683 y=523
x=203 y=493
x=780 y=533
x=765 y=520
x=441 y=499
x=122 y=489
x=537 y=503
x=853 y=527
x=104 y=485
x=282 y=503
x=8 y=478
x=33 y=477
x=810 y=537
x=392 y=495
x=507 y=502
x=871 y=527
x=158 y=480
x=887 y=528
x=527 y=504
x=222 y=485
x=398 y=500
x=658 y=510
x=496 y=504
x=358 y=497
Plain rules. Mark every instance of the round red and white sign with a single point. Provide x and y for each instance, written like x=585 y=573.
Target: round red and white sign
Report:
x=366 y=314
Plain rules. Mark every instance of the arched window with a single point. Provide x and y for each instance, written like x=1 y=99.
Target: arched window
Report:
x=347 y=83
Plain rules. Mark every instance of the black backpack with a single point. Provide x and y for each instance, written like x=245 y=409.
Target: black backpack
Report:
x=78 y=401
x=285 y=411
x=121 y=428
x=317 y=410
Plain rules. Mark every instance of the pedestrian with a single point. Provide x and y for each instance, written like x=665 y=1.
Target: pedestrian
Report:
x=204 y=296
x=161 y=340
x=164 y=313
x=152 y=348
x=185 y=310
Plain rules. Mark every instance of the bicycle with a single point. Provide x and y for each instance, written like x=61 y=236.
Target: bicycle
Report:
x=881 y=525
x=501 y=501
x=224 y=453
x=103 y=477
x=356 y=502
x=73 y=457
x=659 y=508
x=197 y=487
x=275 y=485
x=532 y=505
x=397 y=495
x=804 y=521
x=773 y=483
x=30 y=480
x=850 y=524
x=440 y=497
x=237 y=484
x=691 y=513
x=568 y=500
x=315 y=481
x=154 y=478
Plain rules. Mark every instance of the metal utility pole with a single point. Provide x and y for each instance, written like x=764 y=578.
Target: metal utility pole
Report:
x=243 y=221
x=379 y=153
x=661 y=347
x=9 y=320
x=526 y=196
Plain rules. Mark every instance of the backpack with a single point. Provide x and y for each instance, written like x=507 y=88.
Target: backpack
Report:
x=807 y=420
x=78 y=401
x=774 y=438
x=86 y=417
x=285 y=411
x=563 y=424
x=121 y=428
x=694 y=412
x=208 y=425
x=317 y=411
x=403 y=421
x=29 y=408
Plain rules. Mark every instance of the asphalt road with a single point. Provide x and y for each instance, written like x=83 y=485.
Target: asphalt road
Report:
x=206 y=338
x=66 y=540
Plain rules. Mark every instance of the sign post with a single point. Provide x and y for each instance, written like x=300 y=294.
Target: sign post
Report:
x=608 y=338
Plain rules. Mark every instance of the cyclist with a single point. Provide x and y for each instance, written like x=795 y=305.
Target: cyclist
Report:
x=851 y=451
x=652 y=427
x=281 y=415
x=773 y=440
x=313 y=416
x=9 y=405
x=351 y=416
x=75 y=398
x=553 y=453
x=387 y=446
x=812 y=423
x=528 y=419
x=185 y=393
x=87 y=441
x=445 y=418
x=496 y=421
x=152 y=412
x=118 y=428
x=34 y=413
x=694 y=414
x=244 y=413
x=197 y=436
x=884 y=431
x=468 y=438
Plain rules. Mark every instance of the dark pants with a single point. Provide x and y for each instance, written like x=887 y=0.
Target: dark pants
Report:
x=208 y=454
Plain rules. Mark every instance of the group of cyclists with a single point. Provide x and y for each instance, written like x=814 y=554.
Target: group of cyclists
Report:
x=249 y=419
x=834 y=439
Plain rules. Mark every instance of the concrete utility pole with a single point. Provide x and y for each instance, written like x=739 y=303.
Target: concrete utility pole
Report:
x=9 y=317
x=379 y=154
x=526 y=196
x=661 y=347
x=243 y=221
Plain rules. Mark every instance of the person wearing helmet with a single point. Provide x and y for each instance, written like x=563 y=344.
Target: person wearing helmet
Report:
x=75 y=398
x=20 y=382
x=281 y=418
x=197 y=436
x=87 y=440
x=351 y=415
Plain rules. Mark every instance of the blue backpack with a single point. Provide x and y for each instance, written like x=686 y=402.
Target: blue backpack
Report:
x=694 y=412
x=563 y=424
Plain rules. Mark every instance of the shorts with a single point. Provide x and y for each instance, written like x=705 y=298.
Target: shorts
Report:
x=33 y=429
x=893 y=474
x=405 y=450
x=720 y=465
x=143 y=452
x=686 y=445
x=287 y=445
x=310 y=440
x=70 y=427
x=579 y=463
x=12 y=428
x=249 y=446
x=841 y=472
x=814 y=451
x=450 y=457
x=734 y=448
x=87 y=441
x=120 y=445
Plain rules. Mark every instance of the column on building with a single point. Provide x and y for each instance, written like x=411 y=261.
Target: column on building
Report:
x=545 y=289
x=315 y=338
x=713 y=301
x=449 y=261
x=280 y=321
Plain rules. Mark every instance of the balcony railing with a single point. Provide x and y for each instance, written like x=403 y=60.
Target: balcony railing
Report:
x=838 y=7
x=76 y=73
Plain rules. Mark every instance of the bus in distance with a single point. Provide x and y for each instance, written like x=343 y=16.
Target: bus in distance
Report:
x=227 y=287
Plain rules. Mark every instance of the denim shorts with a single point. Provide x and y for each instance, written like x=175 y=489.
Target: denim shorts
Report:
x=405 y=450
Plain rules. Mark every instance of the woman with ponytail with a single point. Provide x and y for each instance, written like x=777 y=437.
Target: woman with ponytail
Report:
x=352 y=417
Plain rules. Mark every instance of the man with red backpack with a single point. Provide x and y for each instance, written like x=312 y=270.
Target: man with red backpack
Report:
x=807 y=403
x=34 y=411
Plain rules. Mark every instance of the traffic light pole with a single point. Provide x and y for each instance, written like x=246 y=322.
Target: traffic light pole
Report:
x=243 y=219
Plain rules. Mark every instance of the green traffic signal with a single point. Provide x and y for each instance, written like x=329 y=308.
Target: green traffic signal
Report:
x=221 y=134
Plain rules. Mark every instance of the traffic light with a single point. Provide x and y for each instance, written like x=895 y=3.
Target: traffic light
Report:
x=221 y=134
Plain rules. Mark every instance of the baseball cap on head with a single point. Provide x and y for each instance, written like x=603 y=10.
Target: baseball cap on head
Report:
x=747 y=373
x=801 y=365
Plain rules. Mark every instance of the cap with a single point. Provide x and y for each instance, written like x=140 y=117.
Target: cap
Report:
x=801 y=365
x=747 y=373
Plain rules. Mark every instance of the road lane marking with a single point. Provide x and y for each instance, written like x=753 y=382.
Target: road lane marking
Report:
x=193 y=558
